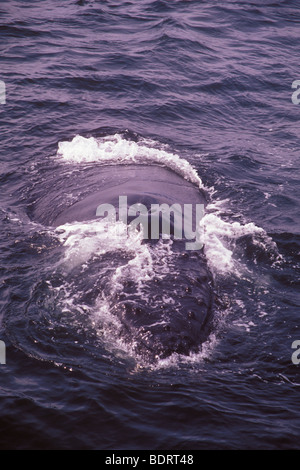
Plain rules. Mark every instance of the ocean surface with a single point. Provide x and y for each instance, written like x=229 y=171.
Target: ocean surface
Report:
x=204 y=88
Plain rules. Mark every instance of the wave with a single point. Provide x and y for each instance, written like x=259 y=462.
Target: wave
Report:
x=116 y=149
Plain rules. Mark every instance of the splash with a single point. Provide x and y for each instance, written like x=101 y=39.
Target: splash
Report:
x=116 y=149
x=220 y=237
x=84 y=242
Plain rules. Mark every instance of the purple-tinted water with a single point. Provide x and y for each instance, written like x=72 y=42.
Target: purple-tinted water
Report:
x=210 y=83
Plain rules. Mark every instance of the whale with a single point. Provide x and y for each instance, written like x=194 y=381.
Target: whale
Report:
x=173 y=314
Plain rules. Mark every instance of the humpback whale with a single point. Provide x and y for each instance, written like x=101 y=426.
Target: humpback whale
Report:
x=173 y=312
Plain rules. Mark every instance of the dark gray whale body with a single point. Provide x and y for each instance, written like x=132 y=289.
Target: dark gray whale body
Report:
x=173 y=313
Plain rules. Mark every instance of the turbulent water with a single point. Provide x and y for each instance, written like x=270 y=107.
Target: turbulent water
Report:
x=203 y=89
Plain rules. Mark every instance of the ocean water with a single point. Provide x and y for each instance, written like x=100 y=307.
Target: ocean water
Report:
x=207 y=89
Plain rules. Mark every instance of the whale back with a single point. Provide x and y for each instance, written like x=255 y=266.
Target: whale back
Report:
x=171 y=312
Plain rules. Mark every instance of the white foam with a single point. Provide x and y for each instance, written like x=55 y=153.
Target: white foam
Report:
x=116 y=149
x=176 y=360
x=84 y=240
x=219 y=237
